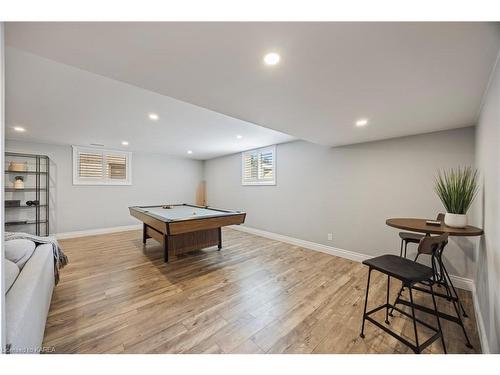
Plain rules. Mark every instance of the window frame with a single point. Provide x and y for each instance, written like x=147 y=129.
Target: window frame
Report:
x=104 y=180
x=258 y=182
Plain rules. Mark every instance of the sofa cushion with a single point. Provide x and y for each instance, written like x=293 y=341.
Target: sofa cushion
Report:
x=11 y=273
x=19 y=251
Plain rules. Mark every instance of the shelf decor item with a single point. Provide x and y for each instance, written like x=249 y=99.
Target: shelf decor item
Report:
x=19 y=182
x=12 y=203
x=456 y=188
x=16 y=166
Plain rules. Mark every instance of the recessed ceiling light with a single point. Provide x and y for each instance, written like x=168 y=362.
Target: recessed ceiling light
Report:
x=190 y=152
x=361 y=122
x=239 y=136
x=125 y=143
x=19 y=129
x=272 y=58
x=153 y=116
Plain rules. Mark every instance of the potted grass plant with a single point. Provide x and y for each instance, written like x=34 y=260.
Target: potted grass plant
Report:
x=457 y=188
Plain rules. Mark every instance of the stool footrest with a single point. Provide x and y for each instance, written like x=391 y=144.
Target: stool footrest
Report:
x=437 y=294
x=416 y=319
x=428 y=310
x=393 y=334
x=416 y=349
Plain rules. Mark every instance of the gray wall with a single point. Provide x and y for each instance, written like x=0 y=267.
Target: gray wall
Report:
x=348 y=191
x=155 y=179
x=2 y=128
x=487 y=277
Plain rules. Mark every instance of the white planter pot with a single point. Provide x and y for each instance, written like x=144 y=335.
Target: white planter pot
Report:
x=455 y=220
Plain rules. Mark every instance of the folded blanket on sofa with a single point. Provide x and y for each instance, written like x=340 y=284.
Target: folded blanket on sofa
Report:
x=60 y=260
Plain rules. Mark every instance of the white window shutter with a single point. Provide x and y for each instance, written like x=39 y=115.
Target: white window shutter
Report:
x=116 y=167
x=90 y=165
x=259 y=166
x=266 y=165
x=250 y=166
x=93 y=166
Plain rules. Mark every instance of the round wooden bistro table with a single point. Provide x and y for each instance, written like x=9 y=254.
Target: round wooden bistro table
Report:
x=441 y=276
x=420 y=226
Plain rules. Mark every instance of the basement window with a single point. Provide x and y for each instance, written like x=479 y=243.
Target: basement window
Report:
x=95 y=166
x=258 y=167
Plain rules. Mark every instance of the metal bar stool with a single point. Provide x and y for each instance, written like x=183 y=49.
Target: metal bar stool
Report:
x=409 y=237
x=441 y=278
x=409 y=273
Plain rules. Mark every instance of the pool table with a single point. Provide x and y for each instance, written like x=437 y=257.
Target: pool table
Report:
x=184 y=227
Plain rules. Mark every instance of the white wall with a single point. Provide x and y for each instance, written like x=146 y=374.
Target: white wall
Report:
x=487 y=277
x=2 y=128
x=156 y=179
x=349 y=191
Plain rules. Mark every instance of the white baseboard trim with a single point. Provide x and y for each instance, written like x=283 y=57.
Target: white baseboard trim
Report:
x=463 y=283
x=357 y=257
x=458 y=281
x=485 y=348
x=93 y=232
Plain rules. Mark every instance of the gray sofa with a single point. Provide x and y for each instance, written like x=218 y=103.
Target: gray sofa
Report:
x=28 y=297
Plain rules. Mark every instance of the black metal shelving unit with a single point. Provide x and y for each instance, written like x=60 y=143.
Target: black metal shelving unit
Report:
x=23 y=217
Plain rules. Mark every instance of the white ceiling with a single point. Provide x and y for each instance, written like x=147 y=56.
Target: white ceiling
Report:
x=406 y=78
x=60 y=104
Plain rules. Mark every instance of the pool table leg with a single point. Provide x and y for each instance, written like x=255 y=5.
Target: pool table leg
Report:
x=220 y=238
x=144 y=236
x=165 y=248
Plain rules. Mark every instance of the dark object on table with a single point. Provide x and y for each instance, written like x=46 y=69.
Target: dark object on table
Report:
x=433 y=222
x=166 y=207
x=409 y=273
x=32 y=203
x=12 y=203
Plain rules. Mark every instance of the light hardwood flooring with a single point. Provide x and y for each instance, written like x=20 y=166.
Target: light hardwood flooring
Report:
x=254 y=296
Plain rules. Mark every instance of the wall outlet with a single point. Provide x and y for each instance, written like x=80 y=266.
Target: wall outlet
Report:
x=330 y=236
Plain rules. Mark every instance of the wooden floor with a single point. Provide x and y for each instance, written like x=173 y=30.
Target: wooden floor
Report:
x=255 y=296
